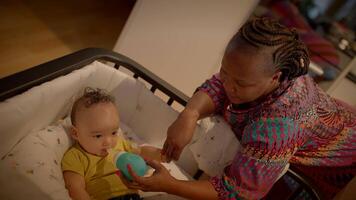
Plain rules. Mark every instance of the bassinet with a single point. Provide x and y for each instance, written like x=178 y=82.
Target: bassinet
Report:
x=33 y=126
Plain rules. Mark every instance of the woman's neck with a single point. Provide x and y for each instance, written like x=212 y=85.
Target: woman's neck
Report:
x=271 y=89
x=273 y=92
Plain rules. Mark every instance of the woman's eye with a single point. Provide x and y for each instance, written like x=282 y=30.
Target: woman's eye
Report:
x=114 y=133
x=239 y=84
x=247 y=85
x=97 y=136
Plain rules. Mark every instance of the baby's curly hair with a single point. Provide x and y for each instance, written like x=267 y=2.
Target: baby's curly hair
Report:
x=90 y=97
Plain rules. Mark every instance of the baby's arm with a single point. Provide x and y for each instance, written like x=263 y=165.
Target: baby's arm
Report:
x=75 y=184
x=150 y=152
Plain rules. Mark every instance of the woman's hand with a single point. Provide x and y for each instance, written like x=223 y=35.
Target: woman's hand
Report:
x=160 y=181
x=179 y=134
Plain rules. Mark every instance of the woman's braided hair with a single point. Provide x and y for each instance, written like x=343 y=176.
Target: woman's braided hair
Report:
x=291 y=56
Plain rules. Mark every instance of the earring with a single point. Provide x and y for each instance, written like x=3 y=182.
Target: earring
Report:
x=301 y=62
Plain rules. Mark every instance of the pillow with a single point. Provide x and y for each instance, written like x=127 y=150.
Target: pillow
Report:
x=42 y=105
x=216 y=148
x=36 y=161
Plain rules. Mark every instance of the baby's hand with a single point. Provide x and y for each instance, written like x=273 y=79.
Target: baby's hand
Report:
x=152 y=153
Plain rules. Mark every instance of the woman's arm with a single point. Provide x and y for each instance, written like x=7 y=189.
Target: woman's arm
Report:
x=75 y=184
x=151 y=153
x=193 y=190
x=209 y=99
x=199 y=106
x=162 y=181
x=180 y=133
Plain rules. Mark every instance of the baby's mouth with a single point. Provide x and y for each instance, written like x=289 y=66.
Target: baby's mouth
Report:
x=105 y=152
x=108 y=151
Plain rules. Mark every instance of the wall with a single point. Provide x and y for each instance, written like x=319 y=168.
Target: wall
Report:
x=182 y=41
x=342 y=88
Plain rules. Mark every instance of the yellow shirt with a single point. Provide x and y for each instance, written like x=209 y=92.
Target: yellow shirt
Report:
x=98 y=172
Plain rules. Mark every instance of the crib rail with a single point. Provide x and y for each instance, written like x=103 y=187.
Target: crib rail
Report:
x=18 y=83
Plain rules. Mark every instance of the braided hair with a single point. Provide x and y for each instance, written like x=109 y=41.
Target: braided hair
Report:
x=90 y=97
x=290 y=56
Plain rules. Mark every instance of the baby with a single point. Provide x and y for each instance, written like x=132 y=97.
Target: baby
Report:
x=88 y=169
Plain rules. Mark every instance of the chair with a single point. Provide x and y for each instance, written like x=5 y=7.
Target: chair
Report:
x=292 y=186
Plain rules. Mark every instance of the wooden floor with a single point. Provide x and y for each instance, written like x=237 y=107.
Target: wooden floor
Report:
x=36 y=31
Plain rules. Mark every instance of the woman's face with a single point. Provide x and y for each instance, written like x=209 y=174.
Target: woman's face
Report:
x=247 y=74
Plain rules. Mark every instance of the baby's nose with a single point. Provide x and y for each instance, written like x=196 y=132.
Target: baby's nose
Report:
x=107 y=142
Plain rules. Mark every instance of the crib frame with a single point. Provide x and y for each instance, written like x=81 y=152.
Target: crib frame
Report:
x=20 y=82
x=17 y=83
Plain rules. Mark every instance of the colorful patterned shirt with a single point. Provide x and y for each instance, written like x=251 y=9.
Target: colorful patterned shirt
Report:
x=297 y=123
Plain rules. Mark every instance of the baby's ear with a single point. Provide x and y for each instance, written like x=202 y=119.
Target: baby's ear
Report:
x=74 y=132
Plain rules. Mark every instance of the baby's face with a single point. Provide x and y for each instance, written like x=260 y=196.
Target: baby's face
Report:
x=96 y=128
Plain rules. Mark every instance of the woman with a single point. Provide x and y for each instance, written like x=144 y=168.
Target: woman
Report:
x=279 y=115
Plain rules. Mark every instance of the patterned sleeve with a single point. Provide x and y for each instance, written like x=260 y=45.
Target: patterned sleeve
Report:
x=268 y=144
x=214 y=88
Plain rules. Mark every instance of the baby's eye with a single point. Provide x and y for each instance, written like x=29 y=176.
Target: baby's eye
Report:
x=114 y=133
x=97 y=136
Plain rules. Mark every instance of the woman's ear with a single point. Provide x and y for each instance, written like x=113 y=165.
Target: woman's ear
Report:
x=74 y=132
